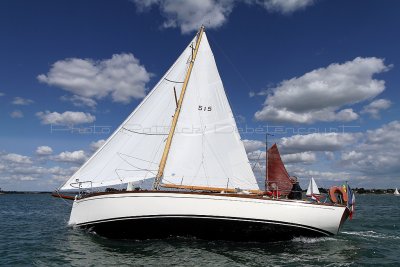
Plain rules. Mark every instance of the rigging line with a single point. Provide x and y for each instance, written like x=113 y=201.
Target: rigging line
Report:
x=139 y=169
x=148 y=170
x=58 y=193
x=172 y=81
x=246 y=83
x=132 y=131
x=236 y=70
x=132 y=164
x=129 y=156
x=256 y=161
x=216 y=157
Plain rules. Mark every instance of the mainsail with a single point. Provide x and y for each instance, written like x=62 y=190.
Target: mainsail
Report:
x=277 y=175
x=206 y=148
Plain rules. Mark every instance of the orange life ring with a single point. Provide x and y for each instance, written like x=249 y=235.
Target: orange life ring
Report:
x=338 y=190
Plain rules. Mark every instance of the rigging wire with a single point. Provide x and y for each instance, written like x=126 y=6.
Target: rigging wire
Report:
x=172 y=81
x=58 y=193
x=132 y=131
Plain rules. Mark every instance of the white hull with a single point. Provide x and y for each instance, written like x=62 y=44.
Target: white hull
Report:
x=173 y=211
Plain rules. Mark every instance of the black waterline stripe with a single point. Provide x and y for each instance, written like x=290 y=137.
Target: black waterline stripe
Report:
x=206 y=217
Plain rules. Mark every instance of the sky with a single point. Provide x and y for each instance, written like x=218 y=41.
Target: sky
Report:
x=322 y=77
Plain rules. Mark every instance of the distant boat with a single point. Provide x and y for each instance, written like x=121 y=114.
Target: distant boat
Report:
x=278 y=179
x=312 y=190
x=203 y=184
x=396 y=192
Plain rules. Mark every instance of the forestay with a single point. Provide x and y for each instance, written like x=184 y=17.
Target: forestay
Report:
x=134 y=150
x=206 y=148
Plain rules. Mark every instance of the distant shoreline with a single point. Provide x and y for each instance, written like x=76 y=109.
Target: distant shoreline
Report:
x=359 y=191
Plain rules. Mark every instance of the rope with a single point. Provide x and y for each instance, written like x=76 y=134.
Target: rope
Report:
x=58 y=193
x=132 y=131
x=172 y=81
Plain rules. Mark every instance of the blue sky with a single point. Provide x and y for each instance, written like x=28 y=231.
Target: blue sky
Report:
x=322 y=75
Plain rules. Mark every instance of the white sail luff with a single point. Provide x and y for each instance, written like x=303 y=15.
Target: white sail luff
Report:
x=312 y=188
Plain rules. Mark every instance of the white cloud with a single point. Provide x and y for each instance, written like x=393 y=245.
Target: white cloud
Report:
x=189 y=15
x=376 y=157
x=16 y=171
x=2 y=94
x=44 y=150
x=80 y=101
x=16 y=158
x=376 y=106
x=320 y=94
x=319 y=176
x=96 y=145
x=66 y=118
x=329 y=155
x=22 y=101
x=284 y=6
x=122 y=77
x=252 y=145
x=16 y=114
x=303 y=157
x=317 y=142
x=77 y=157
x=256 y=155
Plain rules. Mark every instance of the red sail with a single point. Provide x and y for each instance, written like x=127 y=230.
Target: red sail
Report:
x=278 y=177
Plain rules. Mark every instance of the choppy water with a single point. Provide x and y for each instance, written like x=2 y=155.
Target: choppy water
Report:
x=33 y=231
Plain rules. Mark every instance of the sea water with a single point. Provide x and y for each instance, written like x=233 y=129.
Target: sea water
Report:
x=34 y=231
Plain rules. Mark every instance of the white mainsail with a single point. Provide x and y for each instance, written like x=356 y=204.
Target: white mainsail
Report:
x=312 y=188
x=133 y=152
x=396 y=192
x=206 y=149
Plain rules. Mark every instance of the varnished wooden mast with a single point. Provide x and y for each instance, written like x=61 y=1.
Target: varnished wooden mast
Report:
x=177 y=112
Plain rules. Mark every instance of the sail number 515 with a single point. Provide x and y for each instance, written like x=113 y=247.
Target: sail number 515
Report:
x=203 y=108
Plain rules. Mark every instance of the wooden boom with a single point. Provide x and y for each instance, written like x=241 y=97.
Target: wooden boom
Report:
x=212 y=189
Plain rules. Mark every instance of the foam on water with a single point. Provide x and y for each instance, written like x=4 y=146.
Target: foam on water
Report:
x=311 y=240
x=371 y=234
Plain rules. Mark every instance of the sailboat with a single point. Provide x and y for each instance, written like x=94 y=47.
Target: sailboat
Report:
x=312 y=190
x=277 y=177
x=396 y=192
x=183 y=138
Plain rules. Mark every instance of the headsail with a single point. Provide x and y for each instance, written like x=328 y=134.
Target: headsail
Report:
x=133 y=152
x=312 y=189
x=396 y=192
x=206 y=149
x=277 y=173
